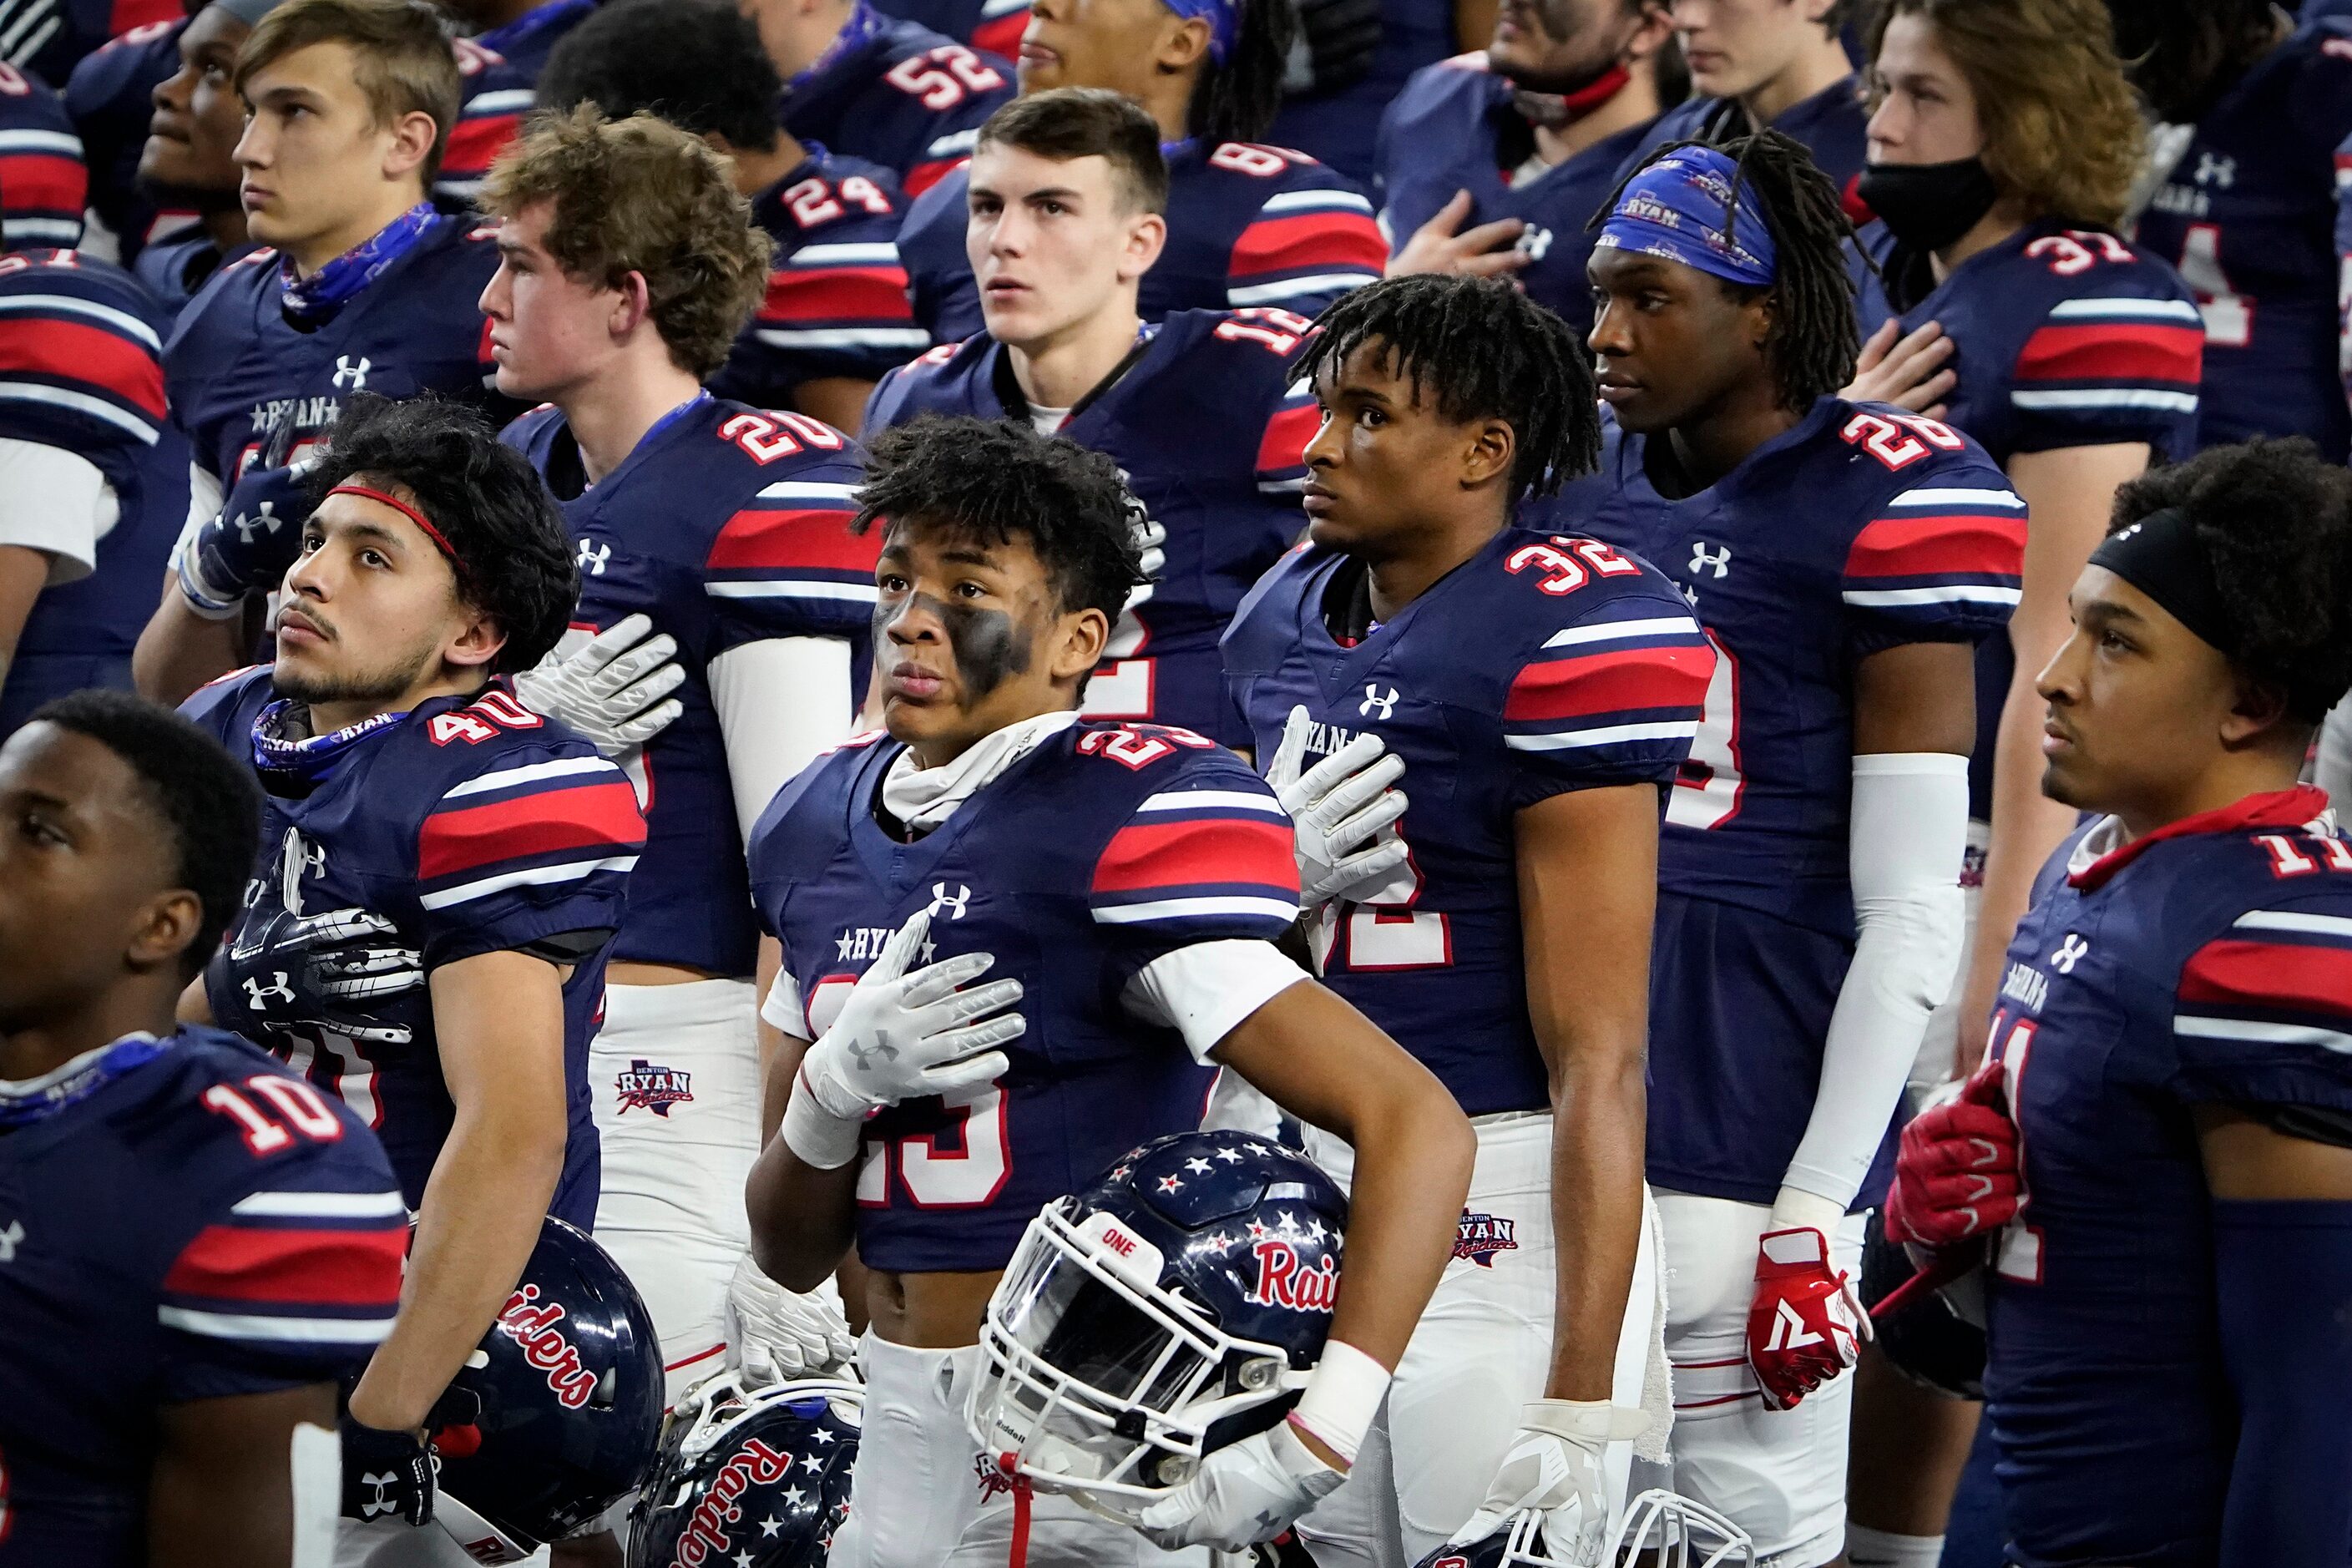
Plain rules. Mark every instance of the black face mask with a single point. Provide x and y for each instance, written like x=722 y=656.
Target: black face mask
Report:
x=1926 y=207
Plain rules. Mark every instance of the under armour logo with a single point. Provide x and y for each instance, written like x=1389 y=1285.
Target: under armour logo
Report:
x=1374 y=700
x=259 y=996
x=1788 y=1330
x=351 y=376
x=592 y=557
x=382 y=1502
x=954 y=903
x=250 y=524
x=2070 y=954
x=1534 y=242
x=2212 y=169
x=10 y=1239
x=1716 y=560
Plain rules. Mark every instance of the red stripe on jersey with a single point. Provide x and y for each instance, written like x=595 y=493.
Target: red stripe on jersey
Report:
x=1284 y=445
x=795 y=536
x=1001 y=35
x=475 y=144
x=91 y=355
x=1671 y=676
x=1321 y=241
x=326 y=1268
x=586 y=817
x=1145 y=855
x=128 y=14
x=838 y=293
x=43 y=182
x=2113 y=352
x=926 y=174
x=1938 y=544
x=2234 y=972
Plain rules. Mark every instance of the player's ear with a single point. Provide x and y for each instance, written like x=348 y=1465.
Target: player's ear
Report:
x=2257 y=708
x=1079 y=639
x=1147 y=237
x=478 y=639
x=163 y=928
x=633 y=303
x=1181 y=46
x=1493 y=444
x=410 y=142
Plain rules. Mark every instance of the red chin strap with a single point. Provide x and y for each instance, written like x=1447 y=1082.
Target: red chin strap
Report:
x=406 y=510
x=1554 y=110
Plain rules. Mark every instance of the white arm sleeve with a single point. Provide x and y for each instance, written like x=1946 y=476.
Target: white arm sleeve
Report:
x=1909 y=836
x=56 y=502
x=2332 y=767
x=781 y=701
x=1205 y=990
x=783 y=1009
x=204 y=498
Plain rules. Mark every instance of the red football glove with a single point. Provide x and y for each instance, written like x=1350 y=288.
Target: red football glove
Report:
x=1805 y=1326
x=1957 y=1174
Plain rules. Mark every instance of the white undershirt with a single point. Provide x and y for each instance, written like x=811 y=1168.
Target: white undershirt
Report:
x=781 y=701
x=1048 y=421
x=56 y=502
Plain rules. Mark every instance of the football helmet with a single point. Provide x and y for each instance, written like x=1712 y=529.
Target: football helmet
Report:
x=1660 y=1530
x=1933 y=1337
x=757 y=1477
x=1175 y=1306
x=555 y=1418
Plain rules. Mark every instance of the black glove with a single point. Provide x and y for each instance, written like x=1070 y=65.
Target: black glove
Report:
x=257 y=535
x=386 y=1475
x=337 y=968
x=1338 y=40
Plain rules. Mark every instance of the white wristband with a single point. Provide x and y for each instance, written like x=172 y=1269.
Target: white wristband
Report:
x=822 y=1140
x=1342 y=1396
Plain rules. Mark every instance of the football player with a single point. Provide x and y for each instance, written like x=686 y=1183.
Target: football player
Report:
x=188 y=160
x=93 y=480
x=1126 y=884
x=1777 y=63
x=510 y=43
x=2155 y=1168
x=1844 y=559
x=2247 y=210
x=1534 y=769
x=363 y=288
x=629 y=264
x=441 y=871
x=43 y=181
x=1247 y=225
x=110 y=99
x=1523 y=142
x=873 y=86
x=836 y=317
x=194 y=1244
x=1068 y=199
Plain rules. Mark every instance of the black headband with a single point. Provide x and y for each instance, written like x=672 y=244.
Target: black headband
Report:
x=2159 y=555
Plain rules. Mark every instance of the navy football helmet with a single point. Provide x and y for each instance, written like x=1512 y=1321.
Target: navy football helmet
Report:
x=1174 y=1307
x=1935 y=1338
x=555 y=1418
x=1660 y=1530
x=757 y=1477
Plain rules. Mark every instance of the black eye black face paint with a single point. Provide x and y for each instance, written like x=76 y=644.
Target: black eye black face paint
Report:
x=989 y=645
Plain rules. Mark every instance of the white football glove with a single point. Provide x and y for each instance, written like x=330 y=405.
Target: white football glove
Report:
x=775 y=1333
x=614 y=690
x=1246 y=1492
x=899 y=1036
x=1150 y=539
x=1344 y=816
x=1554 y=1465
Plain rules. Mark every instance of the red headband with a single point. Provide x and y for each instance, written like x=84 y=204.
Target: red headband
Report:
x=406 y=510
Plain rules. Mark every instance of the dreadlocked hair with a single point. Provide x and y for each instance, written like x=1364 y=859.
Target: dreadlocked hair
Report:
x=2183 y=54
x=1236 y=101
x=1483 y=350
x=2275 y=521
x=1813 y=343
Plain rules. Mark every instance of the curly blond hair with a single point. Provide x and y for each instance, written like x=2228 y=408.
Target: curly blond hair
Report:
x=2063 y=132
x=641 y=195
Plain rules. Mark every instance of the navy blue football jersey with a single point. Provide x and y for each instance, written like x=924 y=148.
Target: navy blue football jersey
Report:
x=2208 y=963
x=1546 y=663
x=1102 y=849
x=1861 y=528
x=897 y=94
x=500 y=71
x=185 y=1220
x=1246 y=226
x=111 y=97
x=49 y=39
x=993 y=26
x=81 y=370
x=1453 y=129
x=726 y=526
x=836 y=303
x=1205 y=426
x=235 y=369
x=1831 y=124
x=1341 y=127
x=464 y=826
x=43 y=181
x=2248 y=215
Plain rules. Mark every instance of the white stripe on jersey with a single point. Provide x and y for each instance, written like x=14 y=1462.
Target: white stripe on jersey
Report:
x=1958 y=593
x=320 y=1205
x=844 y=337
x=60 y=232
x=1200 y=799
x=1322 y=282
x=512 y=101
x=296 y=1331
x=957 y=142
x=794 y=588
x=531 y=773
x=122 y=321
x=65 y=143
x=81 y=403
x=1317 y=201
x=2250 y=1030
x=885 y=254
x=2109 y=397
x=807 y=489
x=536 y=876
x=1605 y=735
x=1283 y=487
x=1618 y=631
x=1283 y=910
x=1960 y=497
x=2288 y=920
x=2180 y=310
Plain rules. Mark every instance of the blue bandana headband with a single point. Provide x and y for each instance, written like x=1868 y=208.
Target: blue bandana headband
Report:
x=1678 y=208
x=1224 y=19
x=310 y=301
x=22 y=1104
x=290 y=762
